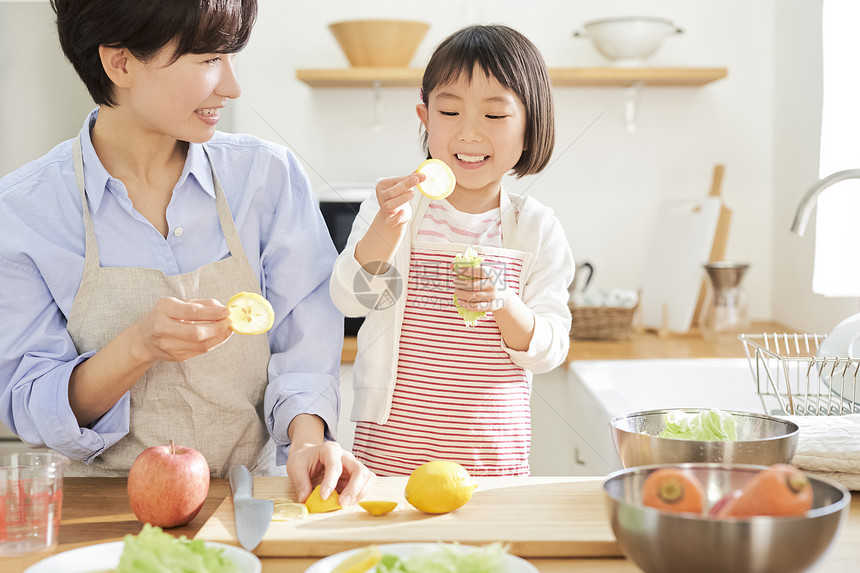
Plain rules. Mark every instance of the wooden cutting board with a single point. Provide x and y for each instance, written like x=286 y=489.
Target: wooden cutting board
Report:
x=535 y=516
x=681 y=243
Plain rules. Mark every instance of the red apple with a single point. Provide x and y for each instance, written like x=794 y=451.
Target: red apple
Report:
x=167 y=485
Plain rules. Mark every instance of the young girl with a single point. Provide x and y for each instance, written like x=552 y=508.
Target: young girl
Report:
x=427 y=386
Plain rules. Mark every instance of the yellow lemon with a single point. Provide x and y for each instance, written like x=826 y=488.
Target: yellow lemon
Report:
x=376 y=508
x=439 y=487
x=440 y=180
x=286 y=510
x=250 y=313
x=360 y=561
x=316 y=504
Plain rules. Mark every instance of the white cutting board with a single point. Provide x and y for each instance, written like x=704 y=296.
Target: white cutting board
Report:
x=672 y=275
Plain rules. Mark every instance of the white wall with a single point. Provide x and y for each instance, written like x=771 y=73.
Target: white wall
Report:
x=42 y=102
x=761 y=122
x=797 y=113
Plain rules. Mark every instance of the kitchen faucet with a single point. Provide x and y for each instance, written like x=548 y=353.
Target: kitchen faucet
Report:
x=809 y=200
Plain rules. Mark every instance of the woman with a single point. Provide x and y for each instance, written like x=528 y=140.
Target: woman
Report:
x=121 y=246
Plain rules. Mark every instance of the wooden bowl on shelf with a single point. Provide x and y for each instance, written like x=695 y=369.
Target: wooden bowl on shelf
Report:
x=379 y=43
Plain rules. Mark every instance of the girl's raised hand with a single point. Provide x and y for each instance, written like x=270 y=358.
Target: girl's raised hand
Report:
x=394 y=194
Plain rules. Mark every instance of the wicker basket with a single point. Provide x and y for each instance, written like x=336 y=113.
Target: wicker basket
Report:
x=601 y=322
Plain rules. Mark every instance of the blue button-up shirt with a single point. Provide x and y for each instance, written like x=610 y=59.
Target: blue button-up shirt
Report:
x=42 y=259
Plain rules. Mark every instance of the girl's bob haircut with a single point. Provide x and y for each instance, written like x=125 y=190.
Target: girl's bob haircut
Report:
x=144 y=27
x=509 y=57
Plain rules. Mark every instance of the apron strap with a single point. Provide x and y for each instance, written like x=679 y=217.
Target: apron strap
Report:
x=91 y=256
x=228 y=225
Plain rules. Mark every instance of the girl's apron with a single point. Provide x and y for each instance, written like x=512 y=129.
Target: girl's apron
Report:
x=458 y=395
x=212 y=402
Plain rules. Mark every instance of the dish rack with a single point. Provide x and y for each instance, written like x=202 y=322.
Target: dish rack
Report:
x=790 y=375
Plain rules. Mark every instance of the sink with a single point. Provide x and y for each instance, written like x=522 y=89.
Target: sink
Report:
x=602 y=389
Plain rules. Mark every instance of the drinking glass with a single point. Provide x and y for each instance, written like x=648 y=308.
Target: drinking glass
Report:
x=31 y=499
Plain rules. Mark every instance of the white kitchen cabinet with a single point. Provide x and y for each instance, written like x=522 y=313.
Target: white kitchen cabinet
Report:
x=561 y=435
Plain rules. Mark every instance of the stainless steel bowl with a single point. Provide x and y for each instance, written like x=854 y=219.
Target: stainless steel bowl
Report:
x=762 y=440
x=664 y=542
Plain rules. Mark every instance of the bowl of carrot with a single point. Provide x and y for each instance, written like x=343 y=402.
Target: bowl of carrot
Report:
x=713 y=518
x=643 y=438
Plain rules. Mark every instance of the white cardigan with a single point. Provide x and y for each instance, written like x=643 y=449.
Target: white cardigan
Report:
x=527 y=226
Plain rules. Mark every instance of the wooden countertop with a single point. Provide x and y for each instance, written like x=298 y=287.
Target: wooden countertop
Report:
x=96 y=510
x=642 y=345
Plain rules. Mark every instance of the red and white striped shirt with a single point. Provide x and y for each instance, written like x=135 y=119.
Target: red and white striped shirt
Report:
x=443 y=223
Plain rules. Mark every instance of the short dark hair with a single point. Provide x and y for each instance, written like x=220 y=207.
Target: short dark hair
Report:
x=509 y=57
x=144 y=27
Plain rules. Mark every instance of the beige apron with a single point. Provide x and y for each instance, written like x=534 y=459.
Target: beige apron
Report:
x=212 y=402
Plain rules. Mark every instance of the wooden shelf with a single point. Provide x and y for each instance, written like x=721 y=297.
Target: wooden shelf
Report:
x=561 y=77
x=357 y=77
x=625 y=77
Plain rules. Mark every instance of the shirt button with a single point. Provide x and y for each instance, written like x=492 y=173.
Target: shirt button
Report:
x=178 y=231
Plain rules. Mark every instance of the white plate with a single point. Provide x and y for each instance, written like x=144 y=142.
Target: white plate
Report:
x=842 y=343
x=105 y=556
x=512 y=563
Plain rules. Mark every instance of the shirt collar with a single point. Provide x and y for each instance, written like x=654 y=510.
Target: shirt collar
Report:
x=96 y=177
x=197 y=164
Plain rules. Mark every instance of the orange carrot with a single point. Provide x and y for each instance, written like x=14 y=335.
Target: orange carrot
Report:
x=780 y=490
x=672 y=489
x=724 y=504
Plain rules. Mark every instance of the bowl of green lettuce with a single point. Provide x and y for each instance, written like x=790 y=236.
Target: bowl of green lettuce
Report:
x=691 y=435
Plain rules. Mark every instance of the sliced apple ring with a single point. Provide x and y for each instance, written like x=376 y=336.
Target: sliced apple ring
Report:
x=440 y=179
x=250 y=313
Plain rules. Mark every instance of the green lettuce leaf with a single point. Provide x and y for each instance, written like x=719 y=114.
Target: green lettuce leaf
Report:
x=706 y=426
x=446 y=559
x=153 y=551
x=468 y=259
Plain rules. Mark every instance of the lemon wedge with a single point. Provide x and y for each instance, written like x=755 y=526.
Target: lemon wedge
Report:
x=316 y=504
x=250 y=313
x=286 y=509
x=360 y=561
x=440 y=180
x=377 y=508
